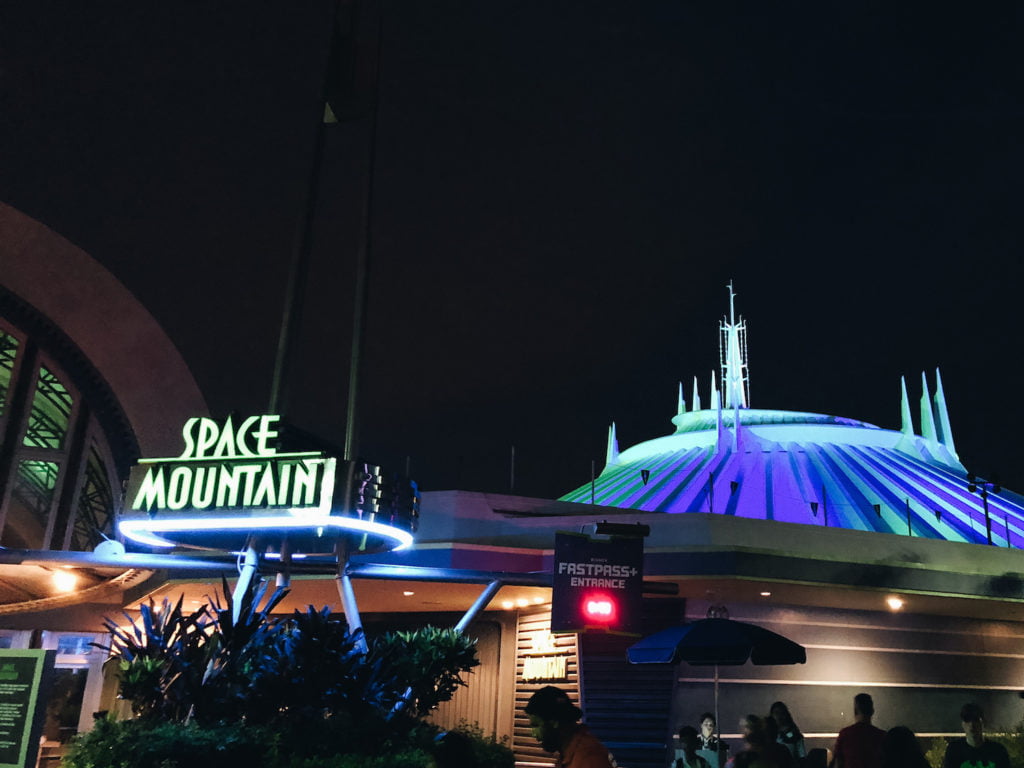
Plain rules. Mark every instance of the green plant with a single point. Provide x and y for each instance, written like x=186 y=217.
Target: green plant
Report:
x=147 y=744
x=295 y=691
x=428 y=661
x=160 y=658
x=488 y=750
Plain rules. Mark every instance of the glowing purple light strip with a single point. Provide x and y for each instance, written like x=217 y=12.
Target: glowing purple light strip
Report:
x=144 y=531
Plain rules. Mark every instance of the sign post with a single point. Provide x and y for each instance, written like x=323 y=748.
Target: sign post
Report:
x=597 y=584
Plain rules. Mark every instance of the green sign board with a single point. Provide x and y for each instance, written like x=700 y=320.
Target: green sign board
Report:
x=22 y=705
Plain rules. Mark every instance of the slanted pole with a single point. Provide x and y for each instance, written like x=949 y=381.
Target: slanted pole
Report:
x=249 y=571
x=348 y=599
x=481 y=602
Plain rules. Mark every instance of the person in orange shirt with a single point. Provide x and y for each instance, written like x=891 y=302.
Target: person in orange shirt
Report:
x=554 y=722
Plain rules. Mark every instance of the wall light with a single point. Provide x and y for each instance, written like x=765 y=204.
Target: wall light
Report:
x=894 y=603
x=407 y=593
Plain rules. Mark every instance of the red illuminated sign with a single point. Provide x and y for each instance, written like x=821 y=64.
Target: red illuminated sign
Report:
x=597 y=584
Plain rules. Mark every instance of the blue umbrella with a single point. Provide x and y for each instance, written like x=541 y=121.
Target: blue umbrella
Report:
x=721 y=642
x=716 y=642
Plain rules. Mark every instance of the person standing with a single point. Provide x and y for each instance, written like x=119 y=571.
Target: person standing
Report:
x=901 y=749
x=686 y=756
x=859 y=745
x=554 y=722
x=974 y=750
x=789 y=734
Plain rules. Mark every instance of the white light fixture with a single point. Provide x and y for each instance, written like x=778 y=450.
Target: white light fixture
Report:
x=508 y=605
x=766 y=594
x=65 y=581
x=894 y=603
x=407 y=593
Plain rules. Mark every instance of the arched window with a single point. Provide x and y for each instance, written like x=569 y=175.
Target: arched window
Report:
x=57 y=475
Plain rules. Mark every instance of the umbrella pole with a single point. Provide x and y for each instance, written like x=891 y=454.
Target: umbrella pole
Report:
x=718 y=724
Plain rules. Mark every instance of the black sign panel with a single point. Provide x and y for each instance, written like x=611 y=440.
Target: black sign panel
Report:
x=598 y=584
x=23 y=678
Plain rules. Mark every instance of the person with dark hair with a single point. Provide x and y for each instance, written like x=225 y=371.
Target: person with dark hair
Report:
x=554 y=722
x=761 y=751
x=859 y=745
x=686 y=756
x=789 y=734
x=707 y=736
x=974 y=750
x=901 y=749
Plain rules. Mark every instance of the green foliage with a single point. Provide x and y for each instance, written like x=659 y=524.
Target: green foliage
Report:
x=488 y=750
x=160 y=659
x=296 y=691
x=430 y=661
x=148 y=744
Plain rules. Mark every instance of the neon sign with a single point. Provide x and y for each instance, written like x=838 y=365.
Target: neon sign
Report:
x=231 y=480
x=227 y=468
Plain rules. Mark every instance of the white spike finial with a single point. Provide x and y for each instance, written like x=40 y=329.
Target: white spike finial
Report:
x=907 y=423
x=927 y=418
x=733 y=357
x=680 y=403
x=942 y=415
x=612 y=454
x=696 y=395
x=716 y=401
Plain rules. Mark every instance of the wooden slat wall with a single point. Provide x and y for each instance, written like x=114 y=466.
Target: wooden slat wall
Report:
x=478 y=701
x=526 y=748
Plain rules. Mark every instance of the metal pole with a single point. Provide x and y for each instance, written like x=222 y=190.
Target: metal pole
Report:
x=481 y=602
x=988 y=520
x=910 y=530
x=249 y=570
x=284 y=576
x=593 y=482
x=363 y=265
x=348 y=600
x=299 y=267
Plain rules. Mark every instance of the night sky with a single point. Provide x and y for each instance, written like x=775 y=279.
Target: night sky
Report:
x=562 y=191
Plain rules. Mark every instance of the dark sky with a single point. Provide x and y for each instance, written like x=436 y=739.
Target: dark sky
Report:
x=562 y=191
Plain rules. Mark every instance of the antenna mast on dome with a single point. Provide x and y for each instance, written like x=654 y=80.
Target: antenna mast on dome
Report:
x=732 y=352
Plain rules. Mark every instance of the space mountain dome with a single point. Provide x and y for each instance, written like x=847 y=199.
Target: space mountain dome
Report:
x=731 y=459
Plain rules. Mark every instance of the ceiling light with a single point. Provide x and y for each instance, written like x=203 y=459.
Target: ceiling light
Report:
x=407 y=593
x=65 y=581
x=894 y=603
x=522 y=602
x=508 y=605
x=766 y=594
x=538 y=600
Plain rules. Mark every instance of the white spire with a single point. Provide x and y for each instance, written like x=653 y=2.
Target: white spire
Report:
x=907 y=425
x=696 y=395
x=733 y=357
x=681 y=403
x=612 y=455
x=715 y=399
x=927 y=418
x=942 y=415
